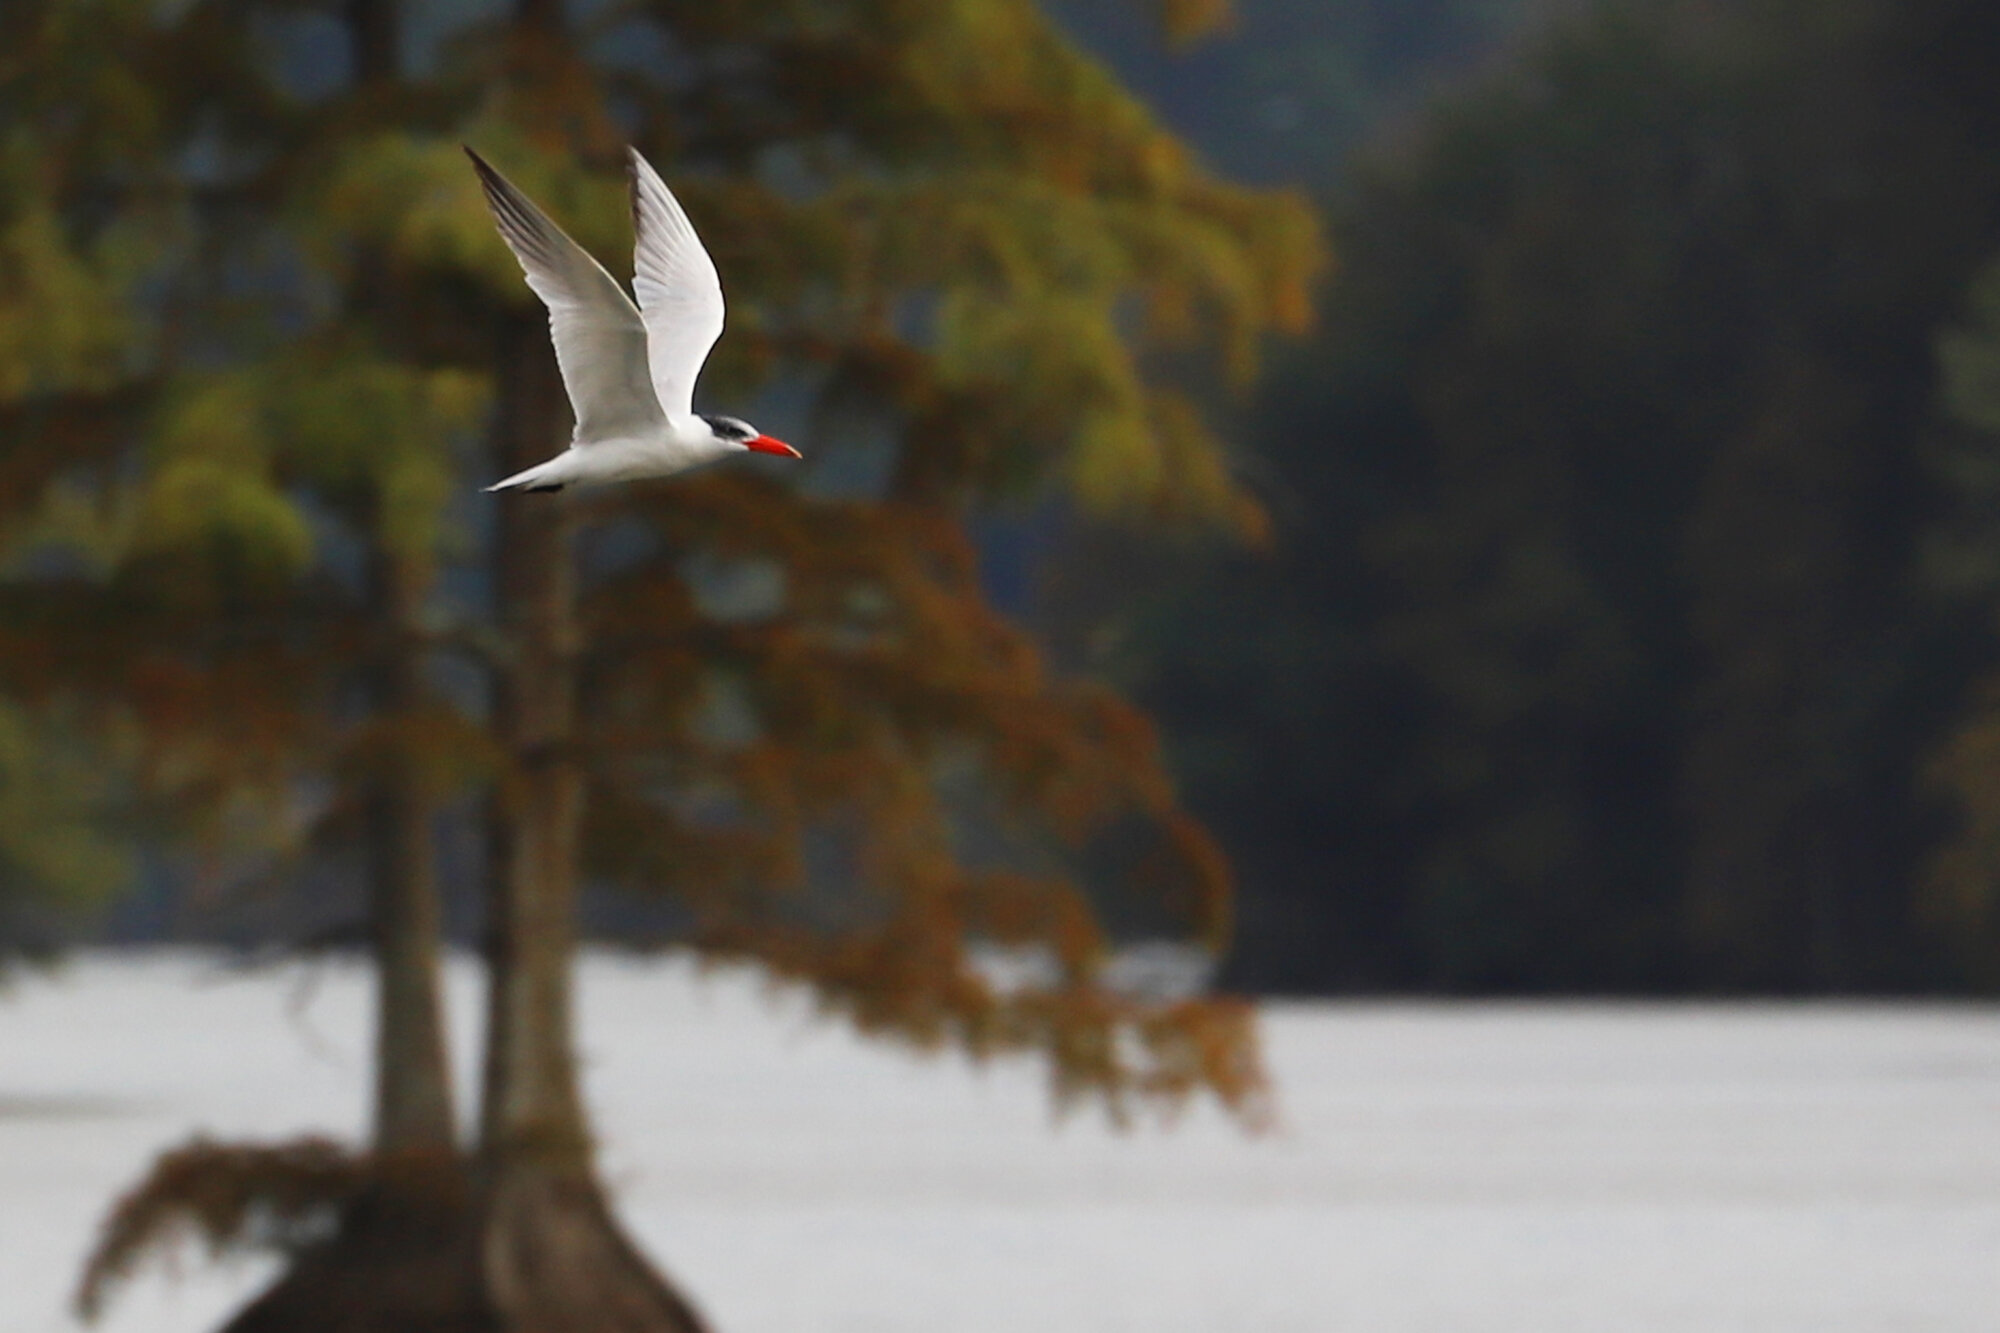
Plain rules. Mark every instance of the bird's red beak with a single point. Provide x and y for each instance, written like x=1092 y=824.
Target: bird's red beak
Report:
x=764 y=444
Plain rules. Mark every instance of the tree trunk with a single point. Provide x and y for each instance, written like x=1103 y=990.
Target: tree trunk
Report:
x=532 y=1105
x=525 y=1241
x=405 y=1254
x=413 y=1104
x=552 y=1256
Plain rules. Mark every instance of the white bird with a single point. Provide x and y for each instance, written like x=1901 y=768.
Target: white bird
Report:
x=629 y=370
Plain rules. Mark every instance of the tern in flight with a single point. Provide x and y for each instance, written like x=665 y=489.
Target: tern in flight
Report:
x=629 y=370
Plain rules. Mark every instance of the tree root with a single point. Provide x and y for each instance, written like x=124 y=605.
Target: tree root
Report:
x=413 y=1244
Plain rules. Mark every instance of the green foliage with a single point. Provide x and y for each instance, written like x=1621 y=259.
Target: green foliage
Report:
x=409 y=194
x=53 y=794
x=76 y=345
x=211 y=492
x=63 y=324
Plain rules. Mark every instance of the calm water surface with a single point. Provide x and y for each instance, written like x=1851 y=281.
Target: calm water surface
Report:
x=1464 y=1169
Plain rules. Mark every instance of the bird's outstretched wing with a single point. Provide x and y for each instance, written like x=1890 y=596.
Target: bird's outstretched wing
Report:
x=680 y=294
x=600 y=339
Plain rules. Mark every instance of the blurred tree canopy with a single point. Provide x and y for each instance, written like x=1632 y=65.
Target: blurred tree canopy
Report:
x=1630 y=571
x=72 y=370
x=955 y=246
x=264 y=341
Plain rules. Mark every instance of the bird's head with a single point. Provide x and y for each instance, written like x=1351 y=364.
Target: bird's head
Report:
x=737 y=434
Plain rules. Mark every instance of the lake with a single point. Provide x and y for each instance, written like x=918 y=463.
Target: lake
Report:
x=1478 y=1168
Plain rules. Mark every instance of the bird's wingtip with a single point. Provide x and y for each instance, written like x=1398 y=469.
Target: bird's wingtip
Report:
x=636 y=163
x=635 y=185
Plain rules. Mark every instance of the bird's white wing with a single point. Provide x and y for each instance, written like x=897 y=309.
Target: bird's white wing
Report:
x=600 y=339
x=679 y=291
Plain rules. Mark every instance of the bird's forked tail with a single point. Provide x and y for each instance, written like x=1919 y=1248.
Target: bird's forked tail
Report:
x=536 y=478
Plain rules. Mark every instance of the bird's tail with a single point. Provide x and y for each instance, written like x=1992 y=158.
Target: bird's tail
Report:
x=536 y=478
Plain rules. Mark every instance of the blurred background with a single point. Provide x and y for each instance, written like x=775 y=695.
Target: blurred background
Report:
x=1628 y=620
x=1617 y=610
x=1302 y=499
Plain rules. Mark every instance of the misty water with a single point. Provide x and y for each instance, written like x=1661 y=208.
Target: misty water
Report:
x=1528 y=1168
